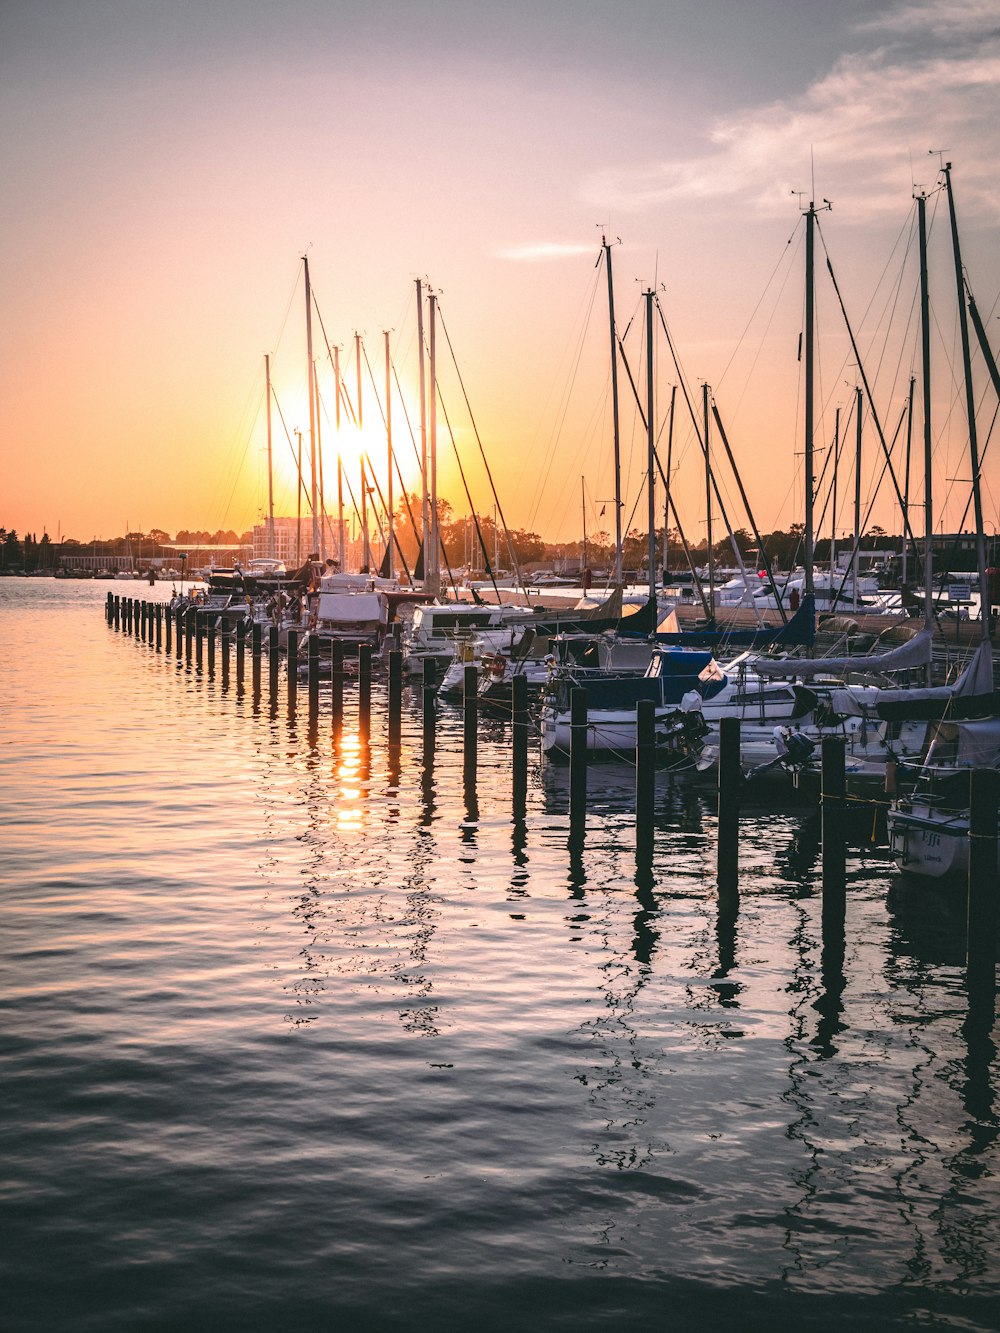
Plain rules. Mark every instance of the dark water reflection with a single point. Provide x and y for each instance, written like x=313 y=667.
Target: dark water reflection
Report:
x=302 y=1029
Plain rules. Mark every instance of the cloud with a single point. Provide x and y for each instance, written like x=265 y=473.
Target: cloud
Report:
x=864 y=123
x=534 y=252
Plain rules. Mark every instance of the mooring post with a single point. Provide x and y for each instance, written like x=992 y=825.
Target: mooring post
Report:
x=210 y=636
x=199 y=638
x=226 y=645
x=337 y=683
x=395 y=693
x=430 y=703
x=273 y=657
x=981 y=922
x=292 y=669
x=519 y=742
x=365 y=690
x=159 y=626
x=256 y=653
x=730 y=781
x=470 y=720
x=645 y=779
x=313 y=677
x=189 y=620
x=241 y=651
x=833 y=812
x=116 y=611
x=126 y=615
x=140 y=625
x=109 y=607
x=179 y=630
x=168 y=617
x=577 y=762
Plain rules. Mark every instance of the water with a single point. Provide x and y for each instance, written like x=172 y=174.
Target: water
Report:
x=291 y=1040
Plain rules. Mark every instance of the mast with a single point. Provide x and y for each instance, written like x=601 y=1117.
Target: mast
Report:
x=614 y=412
x=312 y=408
x=666 y=496
x=366 y=555
x=650 y=445
x=906 y=477
x=857 y=499
x=342 y=539
x=434 y=534
x=809 y=403
x=583 y=506
x=833 y=523
x=970 y=405
x=298 y=493
x=925 y=372
x=390 y=563
x=708 y=504
x=425 y=507
x=270 y=461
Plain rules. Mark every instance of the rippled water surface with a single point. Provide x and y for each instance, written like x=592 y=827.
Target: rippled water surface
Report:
x=299 y=1033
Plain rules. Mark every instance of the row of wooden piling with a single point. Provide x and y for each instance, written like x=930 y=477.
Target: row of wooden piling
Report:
x=191 y=633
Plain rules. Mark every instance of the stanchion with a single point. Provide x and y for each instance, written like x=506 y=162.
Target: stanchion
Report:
x=645 y=779
x=730 y=782
x=578 y=763
x=833 y=810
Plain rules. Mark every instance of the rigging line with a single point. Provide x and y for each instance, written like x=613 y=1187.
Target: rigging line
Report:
x=562 y=408
x=465 y=485
x=288 y=307
x=868 y=392
x=395 y=536
x=295 y=460
x=341 y=388
x=406 y=417
x=242 y=461
x=482 y=452
x=760 y=301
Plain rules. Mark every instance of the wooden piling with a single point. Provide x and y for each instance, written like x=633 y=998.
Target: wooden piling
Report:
x=117 y=612
x=645 y=779
x=429 y=705
x=365 y=690
x=210 y=636
x=179 y=630
x=168 y=625
x=578 y=762
x=833 y=814
x=241 y=652
x=109 y=607
x=273 y=658
x=256 y=654
x=730 y=782
x=470 y=720
x=981 y=921
x=395 y=693
x=199 y=639
x=519 y=742
x=313 y=677
x=189 y=619
x=292 y=669
x=159 y=626
x=226 y=645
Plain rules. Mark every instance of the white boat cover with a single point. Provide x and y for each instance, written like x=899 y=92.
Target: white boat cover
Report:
x=351 y=608
x=913 y=654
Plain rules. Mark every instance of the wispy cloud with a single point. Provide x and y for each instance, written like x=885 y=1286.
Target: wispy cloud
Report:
x=535 y=252
x=932 y=84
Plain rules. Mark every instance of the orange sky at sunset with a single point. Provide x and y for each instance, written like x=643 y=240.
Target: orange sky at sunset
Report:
x=166 y=166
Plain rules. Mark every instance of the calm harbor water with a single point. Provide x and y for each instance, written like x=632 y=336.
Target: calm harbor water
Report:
x=298 y=1034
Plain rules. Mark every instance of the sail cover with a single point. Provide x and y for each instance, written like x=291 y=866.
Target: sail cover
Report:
x=913 y=654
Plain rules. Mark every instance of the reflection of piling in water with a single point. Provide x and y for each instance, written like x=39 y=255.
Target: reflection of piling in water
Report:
x=365 y=690
x=429 y=707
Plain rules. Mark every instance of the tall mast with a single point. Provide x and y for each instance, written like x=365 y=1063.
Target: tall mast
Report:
x=366 y=555
x=650 y=446
x=390 y=562
x=833 y=522
x=425 y=507
x=614 y=413
x=298 y=493
x=906 y=479
x=434 y=534
x=809 y=405
x=583 y=507
x=925 y=373
x=708 y=504
x=970 y=405
x=270 y=461
x=341 y=535
x=857 y=497
x=666 y=484
x=312 y=408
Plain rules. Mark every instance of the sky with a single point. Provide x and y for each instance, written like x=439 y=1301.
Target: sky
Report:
x=166 y=167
